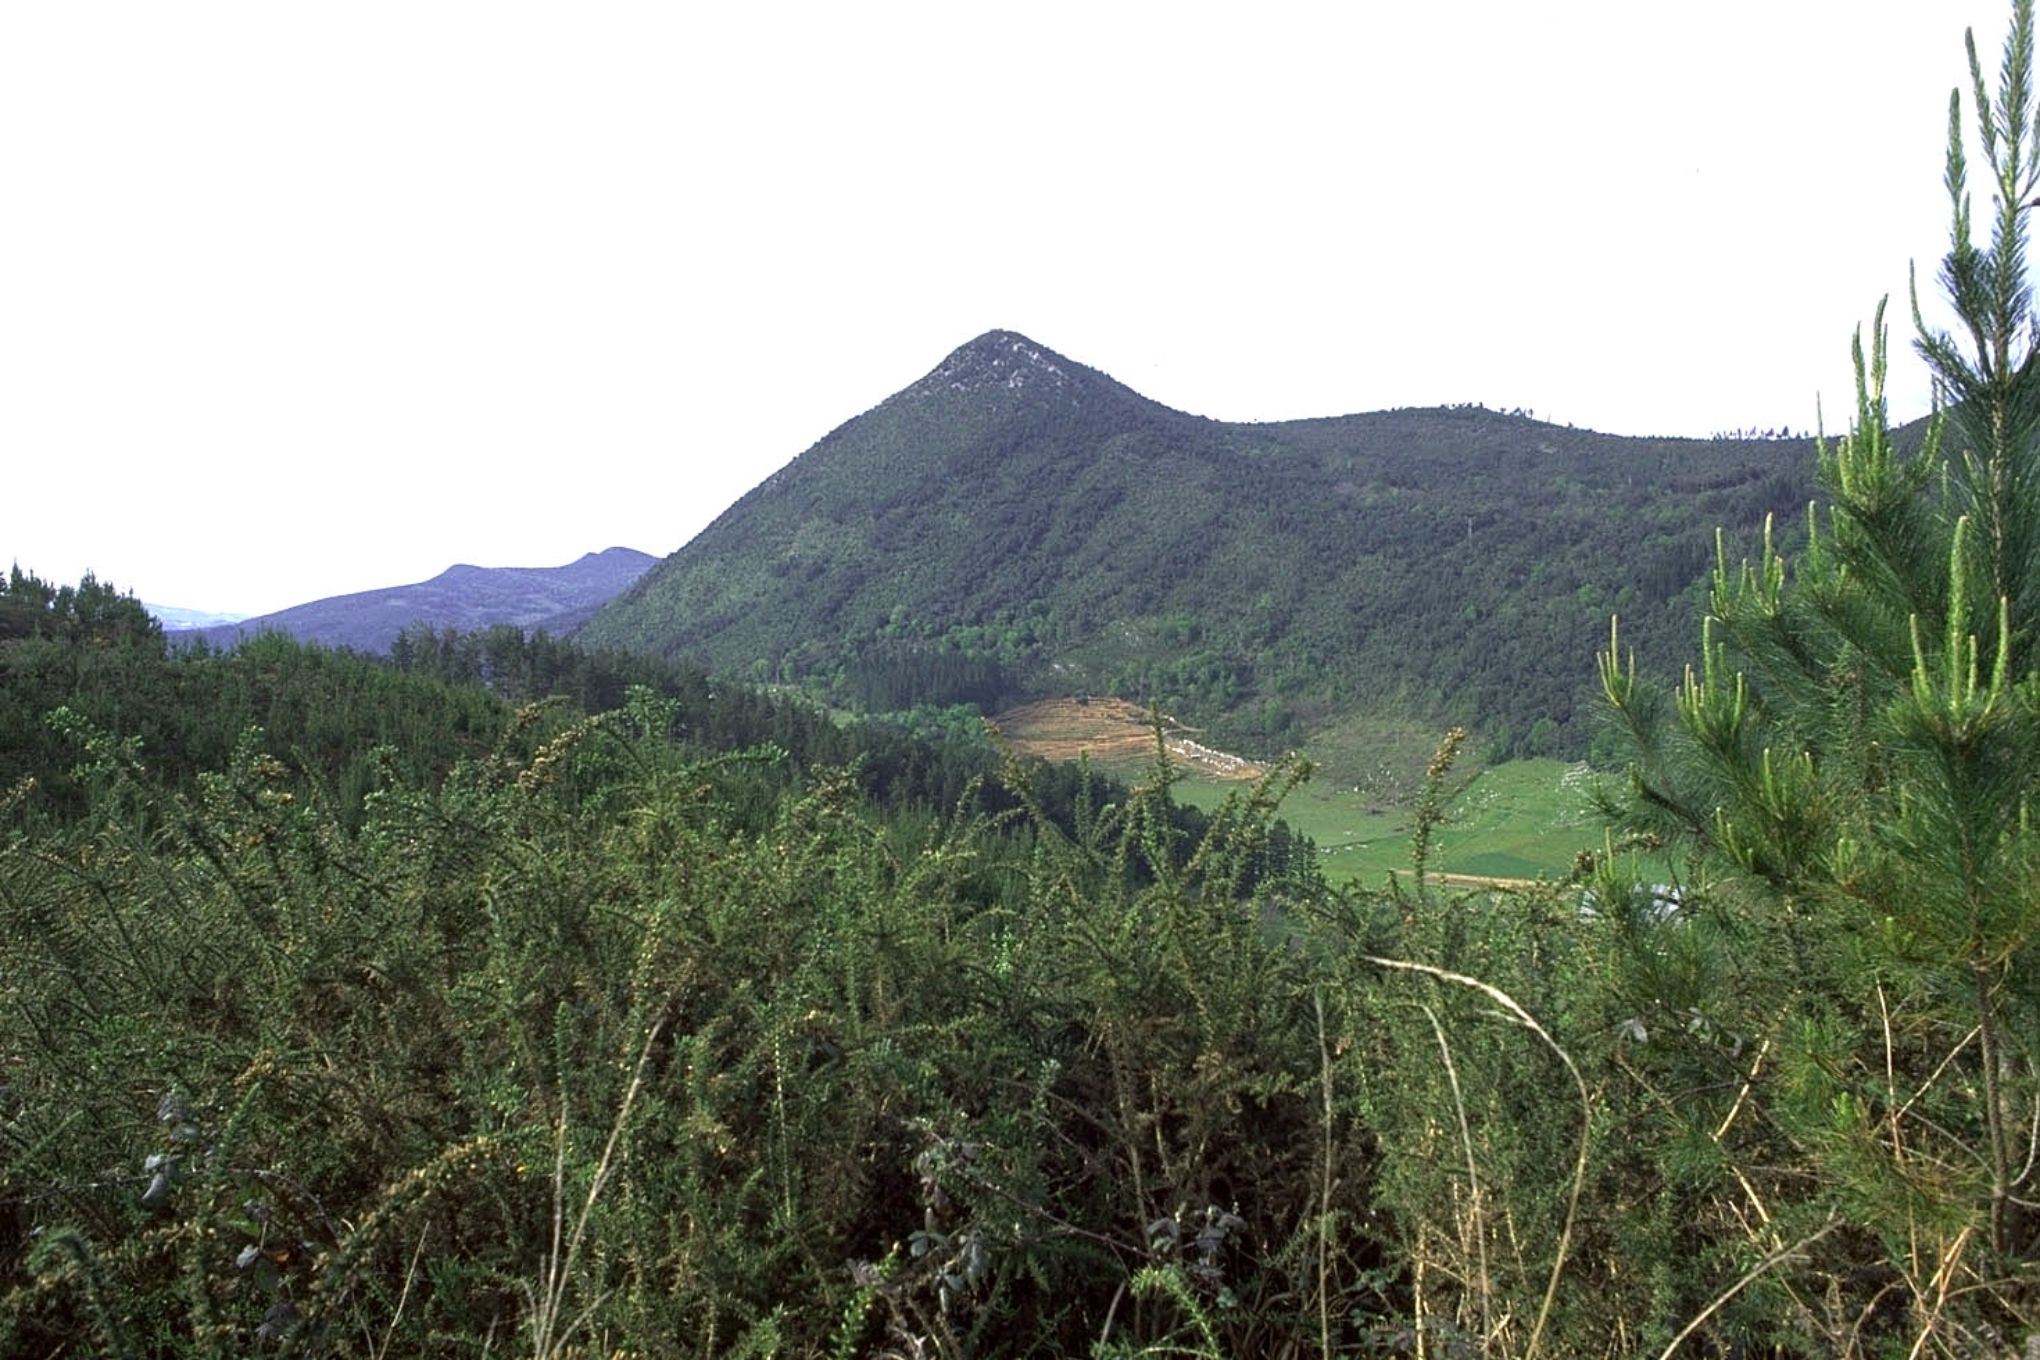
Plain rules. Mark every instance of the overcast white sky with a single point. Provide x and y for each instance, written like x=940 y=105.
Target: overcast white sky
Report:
x=298 y=300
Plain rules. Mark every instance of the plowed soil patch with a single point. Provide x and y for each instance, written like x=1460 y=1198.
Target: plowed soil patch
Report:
x=1111 y=732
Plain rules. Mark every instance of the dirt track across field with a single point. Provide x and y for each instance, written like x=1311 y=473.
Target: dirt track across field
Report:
x=1113 y=732
x=1477 y=881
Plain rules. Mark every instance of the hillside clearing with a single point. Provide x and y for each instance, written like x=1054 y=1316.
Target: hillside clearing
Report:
x=1112 y=732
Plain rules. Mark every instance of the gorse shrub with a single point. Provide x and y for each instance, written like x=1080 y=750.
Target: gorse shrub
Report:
x=576 y=1049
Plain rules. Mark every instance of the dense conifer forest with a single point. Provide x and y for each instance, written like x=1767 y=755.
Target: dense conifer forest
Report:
x=503 y=997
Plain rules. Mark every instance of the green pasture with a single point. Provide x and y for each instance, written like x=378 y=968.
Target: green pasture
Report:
x=1518 y=819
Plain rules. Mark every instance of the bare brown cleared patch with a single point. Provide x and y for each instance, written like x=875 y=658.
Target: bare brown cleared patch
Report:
x=1111 y=732
x=1477 y=881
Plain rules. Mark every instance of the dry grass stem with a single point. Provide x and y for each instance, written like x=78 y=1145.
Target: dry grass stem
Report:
x=1579 y=1178
x=1753 y=1273
x=1325 y=1187
x=548 y=1337
x=1478 y=1221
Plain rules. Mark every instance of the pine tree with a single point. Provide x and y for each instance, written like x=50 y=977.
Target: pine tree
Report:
x=1850 y=766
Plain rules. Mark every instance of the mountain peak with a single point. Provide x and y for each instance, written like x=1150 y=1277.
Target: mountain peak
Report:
x=1028 y=514
x=999 y=359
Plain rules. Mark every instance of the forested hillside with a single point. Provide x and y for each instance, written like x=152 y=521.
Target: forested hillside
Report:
x=345 y=721
x=1016 y=523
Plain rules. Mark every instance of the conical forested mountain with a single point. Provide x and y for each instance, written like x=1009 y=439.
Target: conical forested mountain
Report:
x=1016 y=522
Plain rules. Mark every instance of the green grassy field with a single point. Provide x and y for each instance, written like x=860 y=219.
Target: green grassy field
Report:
x=1519 y=819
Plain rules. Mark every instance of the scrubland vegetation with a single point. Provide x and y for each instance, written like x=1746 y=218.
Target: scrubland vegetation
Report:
x=506 y=999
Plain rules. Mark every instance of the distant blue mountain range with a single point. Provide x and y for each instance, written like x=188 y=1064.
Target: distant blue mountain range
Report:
x=175 y=619
x=556 y=599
